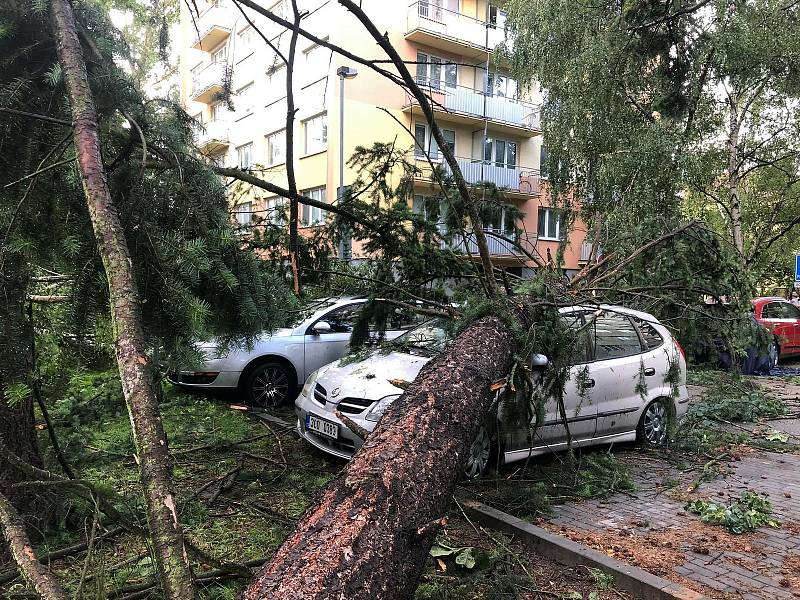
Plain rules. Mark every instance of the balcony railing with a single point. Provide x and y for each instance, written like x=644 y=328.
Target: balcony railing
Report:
x=514 y=178
x=463 y=100
x=427 y=17
x=214 y=135
x=208 y=81
x=497 y=242
x=214 y=26
x=586 y=251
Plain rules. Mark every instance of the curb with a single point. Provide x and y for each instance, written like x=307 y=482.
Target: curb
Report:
x=637 y=582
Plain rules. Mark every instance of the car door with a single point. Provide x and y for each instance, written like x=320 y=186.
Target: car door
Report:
x=777 y=319
x=618 y=367
x=579 y=407
x=323 y=348
x=792 y=315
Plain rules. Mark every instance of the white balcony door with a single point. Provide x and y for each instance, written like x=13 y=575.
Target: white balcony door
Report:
x=425 y=143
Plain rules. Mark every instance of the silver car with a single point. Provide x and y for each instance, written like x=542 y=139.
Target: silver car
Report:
x=631 y=371
x=268 y=373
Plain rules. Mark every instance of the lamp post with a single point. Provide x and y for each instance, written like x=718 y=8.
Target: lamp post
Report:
x=345 y=249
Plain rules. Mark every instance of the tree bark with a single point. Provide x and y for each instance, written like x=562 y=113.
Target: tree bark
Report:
x=134 y=365
x=45 y=584
x=369 y=533
x=16 y=416
x=734 y=205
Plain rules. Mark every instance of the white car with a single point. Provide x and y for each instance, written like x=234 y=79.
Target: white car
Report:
x=633 y=375
x=267 y=373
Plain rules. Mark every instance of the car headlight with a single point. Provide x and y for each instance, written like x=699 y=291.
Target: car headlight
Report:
x=310 y=383
x=377 y=410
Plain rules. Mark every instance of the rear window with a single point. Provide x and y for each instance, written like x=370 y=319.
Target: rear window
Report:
x=651 y=338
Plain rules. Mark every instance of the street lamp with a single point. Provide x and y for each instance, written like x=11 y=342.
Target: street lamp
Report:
x=345 y=249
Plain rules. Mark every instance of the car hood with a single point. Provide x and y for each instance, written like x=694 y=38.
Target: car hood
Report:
x=369 y=378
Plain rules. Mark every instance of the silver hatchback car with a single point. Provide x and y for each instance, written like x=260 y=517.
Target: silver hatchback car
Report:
x=267 y=374
x=633 y=375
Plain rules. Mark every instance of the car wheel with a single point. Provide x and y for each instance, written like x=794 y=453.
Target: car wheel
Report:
x=773 y=352
x=653 y=425
x=478 y=455
x=269 y=385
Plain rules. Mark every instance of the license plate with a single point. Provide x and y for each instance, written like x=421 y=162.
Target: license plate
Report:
x=321 y=426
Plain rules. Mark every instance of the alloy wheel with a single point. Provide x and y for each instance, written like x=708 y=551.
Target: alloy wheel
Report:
x=654 y=423
x=478 y=454
x=269 y=386
x=772 y=351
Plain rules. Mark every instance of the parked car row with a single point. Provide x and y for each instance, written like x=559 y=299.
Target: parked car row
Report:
x=782 y=319
x=619 y=347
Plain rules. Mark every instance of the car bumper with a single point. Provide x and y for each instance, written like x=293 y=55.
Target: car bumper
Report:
x=345 y=444
x=681 y=402
x=205 y=379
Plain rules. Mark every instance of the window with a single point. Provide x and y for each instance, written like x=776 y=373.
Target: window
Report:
x=651 y=338
x=244 y=213
x=317 y=62
x=276 y=148
x=501 y=153
x=246 y=39
x=615 y=337
x=543 y=162
x=276 y=210
x=497 y=17
x=276 y=88
x=219 y=112
x=316 y=132
x=435 y=9
x=549 y=223
x=244 y=156
x=343 y=319
x=498 y=219
x=311 y=214
x=500 y=85
x=577 y=322
x=424 y=142
x=245 y=99
x=220 y=55
x=780 y=310
x=435 y=72
x=431 y=209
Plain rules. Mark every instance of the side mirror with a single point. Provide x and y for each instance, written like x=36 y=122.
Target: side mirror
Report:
x=538 y=361
x=321 y=327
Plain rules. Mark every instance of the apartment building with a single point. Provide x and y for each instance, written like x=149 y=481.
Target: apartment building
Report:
x=493 y=126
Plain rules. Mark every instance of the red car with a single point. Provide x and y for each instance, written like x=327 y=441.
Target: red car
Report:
x=782 y=318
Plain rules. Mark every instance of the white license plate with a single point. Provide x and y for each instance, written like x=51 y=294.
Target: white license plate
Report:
x=321 y=426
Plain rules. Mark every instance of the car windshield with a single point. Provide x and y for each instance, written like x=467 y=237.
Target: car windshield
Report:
x=296 y=318
x=429 y=338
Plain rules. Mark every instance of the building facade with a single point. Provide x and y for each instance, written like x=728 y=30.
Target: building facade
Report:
x=492 y=126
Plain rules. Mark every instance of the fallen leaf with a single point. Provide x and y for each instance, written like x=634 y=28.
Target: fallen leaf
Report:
x=442 y=566
x=399 y=383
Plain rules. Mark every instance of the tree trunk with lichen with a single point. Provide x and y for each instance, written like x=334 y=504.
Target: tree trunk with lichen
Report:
x=134 y=364
x=369 y=533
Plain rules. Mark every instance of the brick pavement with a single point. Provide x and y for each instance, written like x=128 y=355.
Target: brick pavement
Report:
x=651 y=528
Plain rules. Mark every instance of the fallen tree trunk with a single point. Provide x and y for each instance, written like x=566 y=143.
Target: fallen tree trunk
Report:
x=368 y=534
x=138 y=384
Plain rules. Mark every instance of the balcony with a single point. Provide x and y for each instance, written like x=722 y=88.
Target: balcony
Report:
x=214 y=26
x=497 y=242
x=449 y=30
x=586 y=251
x=516 y=180
x=207 y=83
x=214 y=137
x=467 y=105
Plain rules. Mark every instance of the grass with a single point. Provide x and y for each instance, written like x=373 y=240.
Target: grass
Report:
x=261 y=503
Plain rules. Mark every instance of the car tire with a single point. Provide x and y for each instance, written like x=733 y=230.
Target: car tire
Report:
x=774 y=353
x=269 y=384
x=480 y=455
x=653 y=428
